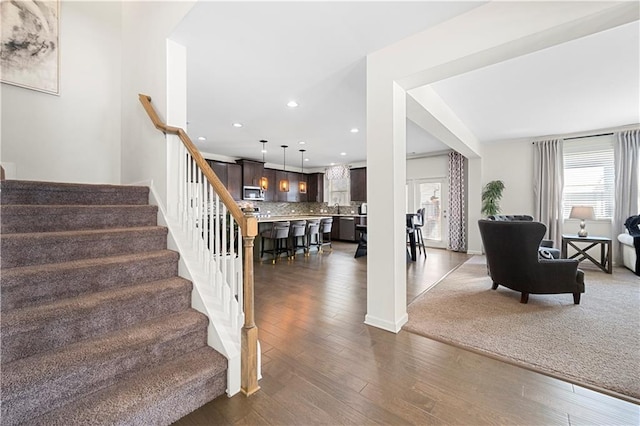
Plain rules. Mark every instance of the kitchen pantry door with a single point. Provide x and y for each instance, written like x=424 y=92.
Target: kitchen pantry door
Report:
x=433 y=195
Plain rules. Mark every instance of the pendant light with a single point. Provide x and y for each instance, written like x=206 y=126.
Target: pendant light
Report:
x=302 y=186
x=264 y=182
x=284 y=183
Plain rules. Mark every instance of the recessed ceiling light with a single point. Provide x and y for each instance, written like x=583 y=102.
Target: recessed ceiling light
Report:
x=301 y=143
x=355 y=130
x=292 y=104
x=202 y=138
x=332 y=164
x=343 y=153
x=306 y=159
x=237 y=124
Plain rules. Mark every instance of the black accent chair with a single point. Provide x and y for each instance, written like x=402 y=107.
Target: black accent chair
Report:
x=546 y=250
x=511 y=248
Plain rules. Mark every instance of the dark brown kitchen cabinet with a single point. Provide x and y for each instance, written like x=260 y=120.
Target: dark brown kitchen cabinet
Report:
x=315 y=187
x=335 y=228
x=359 y=184
x=252 y=171
x=272 y=185
x=230 y=175
x=344 y=227
x=220 y=169
x=234 y=181
x=294 y=195
x=280 y=196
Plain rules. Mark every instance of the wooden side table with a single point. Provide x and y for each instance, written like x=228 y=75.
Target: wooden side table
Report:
x=605 y=250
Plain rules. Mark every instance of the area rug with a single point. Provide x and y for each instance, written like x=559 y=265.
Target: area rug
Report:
x=595 y=344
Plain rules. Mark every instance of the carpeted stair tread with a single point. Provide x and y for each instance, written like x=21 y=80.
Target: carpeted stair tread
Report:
x=36 y=284
x=156 y=396
x=35 y=192
x=38 y=384
x=52 y=247
x=20 y=218
x=96 y=325
x=33 y=330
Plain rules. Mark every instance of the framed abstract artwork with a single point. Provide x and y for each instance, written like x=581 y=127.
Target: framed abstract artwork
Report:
x=30 y=49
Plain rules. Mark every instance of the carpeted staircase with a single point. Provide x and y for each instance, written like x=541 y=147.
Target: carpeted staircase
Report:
x=96 y=325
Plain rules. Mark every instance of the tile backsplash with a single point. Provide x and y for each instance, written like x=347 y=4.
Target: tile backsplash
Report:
x=286 y=209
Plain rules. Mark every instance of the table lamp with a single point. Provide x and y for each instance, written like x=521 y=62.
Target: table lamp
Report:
x=583 y=213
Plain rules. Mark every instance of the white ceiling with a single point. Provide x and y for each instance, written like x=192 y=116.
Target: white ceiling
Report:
x=585 y=84
x=246 y=60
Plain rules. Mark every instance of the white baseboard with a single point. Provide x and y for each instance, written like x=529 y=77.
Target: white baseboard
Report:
x=393 y=327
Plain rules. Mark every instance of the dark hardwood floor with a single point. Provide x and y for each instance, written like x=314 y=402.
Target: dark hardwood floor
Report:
x=322 y=365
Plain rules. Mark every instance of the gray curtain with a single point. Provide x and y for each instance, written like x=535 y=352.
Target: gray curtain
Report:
x=548 y=183
x=626 y=151
x=457 y=210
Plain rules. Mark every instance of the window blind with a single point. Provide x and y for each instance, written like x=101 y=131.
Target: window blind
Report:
x=589 y=175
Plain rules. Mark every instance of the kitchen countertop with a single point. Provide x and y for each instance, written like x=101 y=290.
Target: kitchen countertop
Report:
x=291 y=217
x=305 y=217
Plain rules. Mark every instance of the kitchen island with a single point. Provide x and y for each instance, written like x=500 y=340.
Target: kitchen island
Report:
x=265 y=223
x=270 y=219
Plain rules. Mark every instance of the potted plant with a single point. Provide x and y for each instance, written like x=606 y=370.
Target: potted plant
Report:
x=491 y=195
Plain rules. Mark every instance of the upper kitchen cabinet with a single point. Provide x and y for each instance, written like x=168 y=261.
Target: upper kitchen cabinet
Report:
x=220 y=169
x=234 y=180
x=272 y=185
x=315 y=187
x=230 y=175
x=359 y=184
x=279 y=195
x=294 y=192
x=252 y=171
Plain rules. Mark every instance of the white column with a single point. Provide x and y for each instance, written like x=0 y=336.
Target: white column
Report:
x=386 y=234
x=176 y=116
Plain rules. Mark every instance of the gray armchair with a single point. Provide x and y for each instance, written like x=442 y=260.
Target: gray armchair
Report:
x=511 y=248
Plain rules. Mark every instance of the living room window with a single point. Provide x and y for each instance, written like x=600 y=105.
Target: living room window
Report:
x=589 y=175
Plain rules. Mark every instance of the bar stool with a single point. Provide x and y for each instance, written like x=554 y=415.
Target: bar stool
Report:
x=278 y=234
x=325 y=232
x=313 y=235
x=297 y=230
x=418 y=224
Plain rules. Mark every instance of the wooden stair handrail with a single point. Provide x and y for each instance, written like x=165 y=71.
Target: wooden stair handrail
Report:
x=249 y=226
x=208 y=172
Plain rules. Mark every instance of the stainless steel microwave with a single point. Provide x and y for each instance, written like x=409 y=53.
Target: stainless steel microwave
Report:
x=252 y=193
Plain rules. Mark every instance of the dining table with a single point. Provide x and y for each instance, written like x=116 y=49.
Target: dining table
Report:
x=361 y=250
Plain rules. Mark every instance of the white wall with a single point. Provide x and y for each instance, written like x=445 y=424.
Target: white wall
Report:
x=73 y=137
x=428 y=167
x=512 y=163
x=145 y=29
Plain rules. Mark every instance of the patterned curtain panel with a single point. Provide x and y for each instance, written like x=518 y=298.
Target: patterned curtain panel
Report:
x=548 y=184
x=337 y=172
x=457 y=210
x=626 y=152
